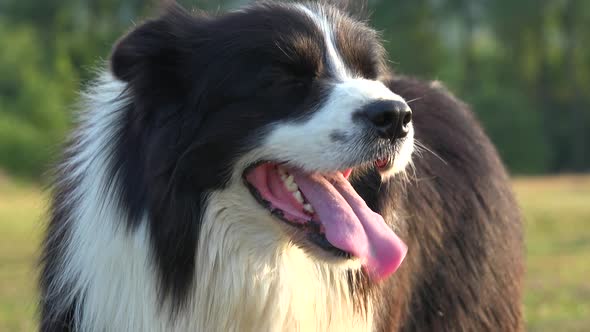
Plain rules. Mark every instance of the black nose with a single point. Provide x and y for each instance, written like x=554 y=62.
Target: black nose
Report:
x=391 y=118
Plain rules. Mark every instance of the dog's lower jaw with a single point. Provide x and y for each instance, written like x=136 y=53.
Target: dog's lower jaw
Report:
x=250 y=277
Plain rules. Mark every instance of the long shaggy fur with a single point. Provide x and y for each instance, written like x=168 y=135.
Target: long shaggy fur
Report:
x=153 y=229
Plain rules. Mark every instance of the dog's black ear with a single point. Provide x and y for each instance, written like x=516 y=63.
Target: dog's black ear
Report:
x=158 y=50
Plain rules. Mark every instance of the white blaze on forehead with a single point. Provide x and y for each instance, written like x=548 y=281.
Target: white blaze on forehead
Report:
x=308 y=143
x=335 y=63
x=363 y=91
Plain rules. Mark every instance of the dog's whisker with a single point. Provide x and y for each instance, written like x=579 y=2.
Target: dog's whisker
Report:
x=424 y=148
x=413 y=100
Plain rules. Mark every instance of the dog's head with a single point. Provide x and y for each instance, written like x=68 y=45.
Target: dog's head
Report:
x=254 y=121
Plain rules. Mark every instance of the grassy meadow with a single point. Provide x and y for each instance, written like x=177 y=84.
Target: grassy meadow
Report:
x=557 y=212
x=21 y=211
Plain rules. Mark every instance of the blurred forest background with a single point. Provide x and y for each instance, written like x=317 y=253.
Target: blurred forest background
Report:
x=524 y=66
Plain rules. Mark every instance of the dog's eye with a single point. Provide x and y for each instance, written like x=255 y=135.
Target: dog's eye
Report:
x=281 y=78
x=297 y=82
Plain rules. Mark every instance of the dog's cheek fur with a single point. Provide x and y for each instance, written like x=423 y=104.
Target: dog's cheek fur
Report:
x=86 y=233
x=159 y=153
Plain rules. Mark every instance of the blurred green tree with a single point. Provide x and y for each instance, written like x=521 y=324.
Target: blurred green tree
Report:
x=524 y=67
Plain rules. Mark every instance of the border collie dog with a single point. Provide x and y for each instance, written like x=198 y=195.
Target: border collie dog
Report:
x=263 y=170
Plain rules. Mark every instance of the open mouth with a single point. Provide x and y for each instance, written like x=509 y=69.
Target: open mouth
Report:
x=331 y=214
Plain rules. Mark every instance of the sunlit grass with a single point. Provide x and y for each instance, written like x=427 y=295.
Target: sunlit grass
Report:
x=557 y=214
x=21 y=209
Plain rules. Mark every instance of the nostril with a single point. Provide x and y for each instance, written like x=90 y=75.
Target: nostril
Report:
x=407 y=118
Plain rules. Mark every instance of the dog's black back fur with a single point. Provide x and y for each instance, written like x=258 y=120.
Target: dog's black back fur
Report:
x=461 y=222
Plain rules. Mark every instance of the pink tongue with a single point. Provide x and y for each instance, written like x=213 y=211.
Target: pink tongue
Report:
x=351 y=225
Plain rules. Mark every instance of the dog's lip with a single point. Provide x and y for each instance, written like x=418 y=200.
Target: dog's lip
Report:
x=384 y=164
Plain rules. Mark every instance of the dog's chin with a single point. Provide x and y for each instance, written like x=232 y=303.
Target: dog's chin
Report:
x=403 y=158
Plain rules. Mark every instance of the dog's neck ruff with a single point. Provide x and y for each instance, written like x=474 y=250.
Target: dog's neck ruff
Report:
x=257 y=286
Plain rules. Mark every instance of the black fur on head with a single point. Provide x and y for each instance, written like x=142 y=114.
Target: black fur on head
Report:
x=201 y=88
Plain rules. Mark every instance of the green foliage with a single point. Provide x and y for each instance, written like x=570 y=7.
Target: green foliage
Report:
x=23 y=148
x=33 y=110
x=523 y=66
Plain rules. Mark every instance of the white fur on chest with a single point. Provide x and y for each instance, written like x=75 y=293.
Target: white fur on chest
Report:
x=251 y=278
x=243 y=281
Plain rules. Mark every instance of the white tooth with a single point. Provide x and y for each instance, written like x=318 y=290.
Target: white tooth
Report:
x=308 y=208
x=298 y=196
x=290 y=184
x=292 y=187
